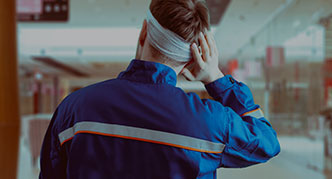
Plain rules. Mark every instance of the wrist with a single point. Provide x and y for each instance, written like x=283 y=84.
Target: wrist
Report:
x=218 y=74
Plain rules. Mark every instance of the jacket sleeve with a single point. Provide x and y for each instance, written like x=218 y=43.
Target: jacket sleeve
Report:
x=52 y=159
x=250 y=138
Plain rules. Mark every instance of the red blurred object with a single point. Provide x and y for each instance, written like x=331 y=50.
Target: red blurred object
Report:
x=37 y=97
x=297 y=76
x=328 y=65
x=275 y=56
x=328 y=80
x=232 y=65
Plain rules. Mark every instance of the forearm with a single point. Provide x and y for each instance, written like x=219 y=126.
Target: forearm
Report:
x=251 y=138
x=233 y=94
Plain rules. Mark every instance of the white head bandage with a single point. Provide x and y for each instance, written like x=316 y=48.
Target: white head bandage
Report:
x=167 y=42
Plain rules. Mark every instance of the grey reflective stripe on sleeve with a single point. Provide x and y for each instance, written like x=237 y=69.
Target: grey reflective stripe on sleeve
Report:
x=140 y=134
x=255 y=113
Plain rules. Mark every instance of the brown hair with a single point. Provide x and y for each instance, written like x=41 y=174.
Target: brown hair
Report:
x=187 y=18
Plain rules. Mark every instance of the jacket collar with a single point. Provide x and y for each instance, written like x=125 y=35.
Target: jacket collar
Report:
x=149 y=72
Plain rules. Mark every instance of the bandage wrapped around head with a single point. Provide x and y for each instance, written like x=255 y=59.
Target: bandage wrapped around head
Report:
x=167 y=42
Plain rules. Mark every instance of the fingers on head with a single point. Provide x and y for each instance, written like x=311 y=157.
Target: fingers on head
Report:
x=196 y=55
x=204 y=46
x=210 y=42
x=215 y=45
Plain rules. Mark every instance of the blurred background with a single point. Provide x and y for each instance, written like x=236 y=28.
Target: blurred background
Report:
x=282 y=49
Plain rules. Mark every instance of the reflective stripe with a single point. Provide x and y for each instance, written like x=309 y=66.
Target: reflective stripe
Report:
x=257 y=113
x=147 y=135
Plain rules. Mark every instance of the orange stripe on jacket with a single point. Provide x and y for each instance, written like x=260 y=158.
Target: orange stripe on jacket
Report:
x=250 y=112
x=140 y=139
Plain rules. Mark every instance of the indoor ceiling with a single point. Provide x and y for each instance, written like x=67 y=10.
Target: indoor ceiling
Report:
x=295 y=27
x=103 y=32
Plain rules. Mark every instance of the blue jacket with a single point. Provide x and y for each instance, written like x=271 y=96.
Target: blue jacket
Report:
x=140 y=125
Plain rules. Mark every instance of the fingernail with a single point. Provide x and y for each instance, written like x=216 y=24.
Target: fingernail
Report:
x=194 y=45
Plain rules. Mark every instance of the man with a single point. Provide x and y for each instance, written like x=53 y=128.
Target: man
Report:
x=140 y=125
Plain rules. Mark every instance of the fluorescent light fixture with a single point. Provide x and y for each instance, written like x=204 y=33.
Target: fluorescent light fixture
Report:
x=78 y=37
x=111 y=53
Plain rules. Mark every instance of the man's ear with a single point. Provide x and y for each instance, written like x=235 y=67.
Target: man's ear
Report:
x=142 y=35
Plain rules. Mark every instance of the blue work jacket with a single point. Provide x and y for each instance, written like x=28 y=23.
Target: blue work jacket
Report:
x=140 y=125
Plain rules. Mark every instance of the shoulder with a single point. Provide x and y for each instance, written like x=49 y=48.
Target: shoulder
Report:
x=210 y=115
x=82 y=96
x=79 y=101
x=197 y=101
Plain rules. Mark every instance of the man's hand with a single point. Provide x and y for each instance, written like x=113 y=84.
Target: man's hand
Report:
x=205 y=66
